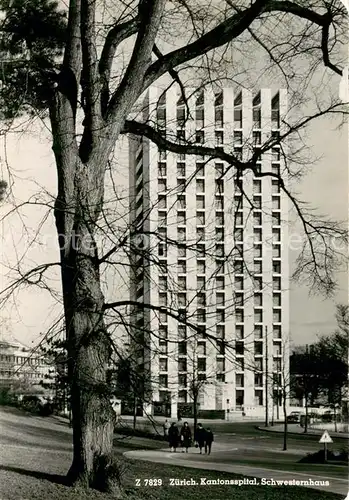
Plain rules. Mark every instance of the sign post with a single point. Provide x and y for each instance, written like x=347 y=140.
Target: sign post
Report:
x=325 y=439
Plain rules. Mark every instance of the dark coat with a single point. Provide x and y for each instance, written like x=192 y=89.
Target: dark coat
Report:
x=185 y=437
x=173 y=436
x=200 y=435
x=209 y=437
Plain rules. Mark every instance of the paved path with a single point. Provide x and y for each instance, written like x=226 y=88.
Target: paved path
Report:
x=335 y=485
x=297 y=429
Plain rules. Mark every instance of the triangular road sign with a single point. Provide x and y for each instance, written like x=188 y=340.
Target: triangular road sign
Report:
x=325 y=438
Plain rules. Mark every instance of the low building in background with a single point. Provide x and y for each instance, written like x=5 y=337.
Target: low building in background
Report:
x=23 y=370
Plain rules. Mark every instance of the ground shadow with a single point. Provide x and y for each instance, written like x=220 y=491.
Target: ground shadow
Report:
x=45 y=476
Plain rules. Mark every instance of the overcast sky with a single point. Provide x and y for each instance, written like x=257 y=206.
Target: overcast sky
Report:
x=32 y=164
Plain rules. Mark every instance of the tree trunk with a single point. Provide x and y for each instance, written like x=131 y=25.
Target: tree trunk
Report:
x=88 y=343
x=134 y=412
x=195 y=411
x=285 y=422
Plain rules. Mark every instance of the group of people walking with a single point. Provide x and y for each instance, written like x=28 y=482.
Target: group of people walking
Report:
x=203 y=438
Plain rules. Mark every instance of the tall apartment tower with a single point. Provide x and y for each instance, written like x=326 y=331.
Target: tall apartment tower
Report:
x=210 y=244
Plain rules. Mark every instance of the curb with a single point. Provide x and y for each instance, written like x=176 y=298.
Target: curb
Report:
x=300 y=433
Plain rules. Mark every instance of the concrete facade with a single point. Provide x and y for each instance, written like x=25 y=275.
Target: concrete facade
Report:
x=211 y=250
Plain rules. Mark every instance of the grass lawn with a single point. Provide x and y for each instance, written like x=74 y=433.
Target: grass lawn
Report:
x=25 y=484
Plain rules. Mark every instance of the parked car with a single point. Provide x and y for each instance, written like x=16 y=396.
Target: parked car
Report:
x=295 y=417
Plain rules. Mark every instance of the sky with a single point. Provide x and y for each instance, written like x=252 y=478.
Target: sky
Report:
x=28 y=154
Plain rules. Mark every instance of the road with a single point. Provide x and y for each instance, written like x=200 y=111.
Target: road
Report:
x=243 y=449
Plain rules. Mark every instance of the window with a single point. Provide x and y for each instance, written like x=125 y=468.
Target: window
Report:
x=218 y=138
x=181 y=219
x=277 y=331
x=219 y=250
x=200 y=170
x=275 y=168
x=258 y=398
x=162 y=217
x=201 y=315
x=220 y=285
x=182 y=267
x=258 y=300
x=237 y=137
x=162 y=250
x=181 y=117
x=162 y=154
x=257 y=138
x=238 y=266
x=239 y=380
x=182 y=300
x=219 y=234
x=277 y=349
x=275 y=135
x=201 y=299
x=258 y=282
x=257 y=186
x=200 y=185
x=220 y=315
x=277 y=266
x=258 y=380
x=239 y=332
x=257 y=250
x=181 y=135
x=182 y=251
x=182 y=380
x=181 y=234
x=220 y=365
x=275 y=186
x=238 y=154
x=257 y=117
x=276 y=202
x=201 y=267
x=220 y=299
x=219 y=203
x=163 y=381
x=239 y=315
x=239 y=299
x=163 y=364
x=238 y=117
x=239 y=234
x=240 y=365
x=276 y=234
x=276 y=218
x=163 y=299
x=182 y=332
x=163 y=317
x=201 y=350
x=201 y=249
x=257 y=218
x=219 y=186
x=163 y=332
x=218 y=117
x=219 y=169
x=201 y=364
x=257 y=234
x=275 y=154
x=162 y=170
x=200 y=201
x=200 y=283
x=163 y=283
x=200 y=234
x=277 y=365
x=276 y=251
x=180 y=169
x=219 y=219
x=182 y=283
x=276 y=315
x=182 y=365
x=181 y=201
x=199 y=116
x=239 y=283
x=239 y=348
x=258 y=315
x=200 y=137
x=257 y=266
x=162 y=203
x=257 y=202
x=276 y=283
x=220 y=332
x=220 y=266
x=258 y=363
x=181 y=184
x=220 y=348
x=258 y=332
x=200 y=218
x=162 y=185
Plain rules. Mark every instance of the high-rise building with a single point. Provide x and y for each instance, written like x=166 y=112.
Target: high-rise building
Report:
x=210 y=245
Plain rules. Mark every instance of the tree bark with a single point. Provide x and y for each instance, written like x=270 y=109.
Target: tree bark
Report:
x=285 y=422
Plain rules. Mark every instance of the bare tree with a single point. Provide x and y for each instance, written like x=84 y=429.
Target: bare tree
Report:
x=89 y=101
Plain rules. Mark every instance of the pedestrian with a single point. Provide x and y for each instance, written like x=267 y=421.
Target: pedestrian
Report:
x=173 y=437
x=185 y=437
x=200 y=437
x=208 y=440
x=166 y=427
